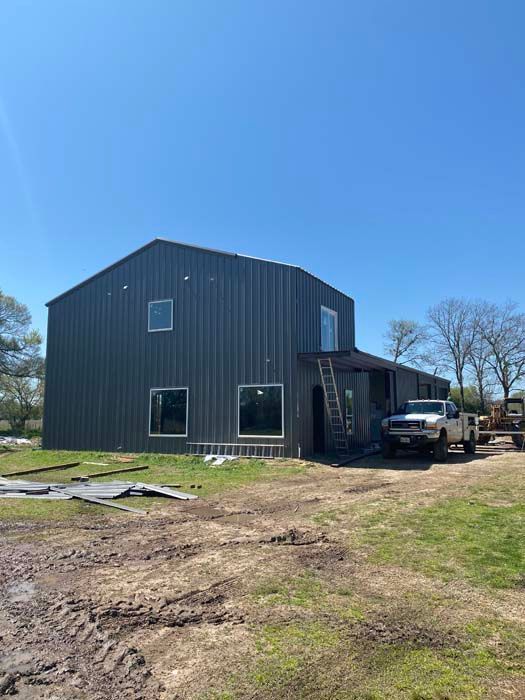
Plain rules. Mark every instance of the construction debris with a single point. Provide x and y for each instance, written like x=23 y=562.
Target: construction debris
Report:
x=219 y=459
x=14 y=441
x=36 y=470
x=100 y=493
x=138 y=468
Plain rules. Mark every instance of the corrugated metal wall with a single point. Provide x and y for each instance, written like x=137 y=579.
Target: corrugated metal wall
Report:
x=237 y=320
x=406 y=386
x=308 y=377
x=312 y=293
x=234 y=323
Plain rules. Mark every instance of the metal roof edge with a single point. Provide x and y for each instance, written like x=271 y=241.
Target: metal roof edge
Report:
x=374 y=358
x=160 y=239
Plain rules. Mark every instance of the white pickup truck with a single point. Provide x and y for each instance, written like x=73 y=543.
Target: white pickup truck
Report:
x=429 y=426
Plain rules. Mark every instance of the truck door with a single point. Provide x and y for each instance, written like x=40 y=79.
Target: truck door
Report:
x=455 y=426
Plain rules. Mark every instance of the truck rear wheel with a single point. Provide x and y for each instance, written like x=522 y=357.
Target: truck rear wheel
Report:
x=441 y=448
x=388 y=450
x=469 y=446
x=519 y=438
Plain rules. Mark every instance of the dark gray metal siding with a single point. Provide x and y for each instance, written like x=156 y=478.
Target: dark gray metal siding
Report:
x=312 y=293
x=406 y=386
x=308 y=377
x=235 y=322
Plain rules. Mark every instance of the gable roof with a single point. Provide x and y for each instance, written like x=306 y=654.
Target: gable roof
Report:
x=157 y=240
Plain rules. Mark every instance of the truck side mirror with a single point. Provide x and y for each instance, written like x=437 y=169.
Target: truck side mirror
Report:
x=456 y=414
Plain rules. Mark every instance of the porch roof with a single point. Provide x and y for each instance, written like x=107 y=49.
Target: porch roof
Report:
x=358 y=360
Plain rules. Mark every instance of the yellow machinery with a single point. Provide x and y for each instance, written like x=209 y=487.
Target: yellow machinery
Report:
x=507 y=418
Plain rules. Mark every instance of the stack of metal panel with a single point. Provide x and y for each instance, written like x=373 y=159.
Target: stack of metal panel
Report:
x=101 y=492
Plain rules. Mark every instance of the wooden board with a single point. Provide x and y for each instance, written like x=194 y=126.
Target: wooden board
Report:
x=36 y=470
x=111 y=471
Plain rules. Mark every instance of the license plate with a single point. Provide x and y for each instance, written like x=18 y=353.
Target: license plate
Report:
x=405 y=440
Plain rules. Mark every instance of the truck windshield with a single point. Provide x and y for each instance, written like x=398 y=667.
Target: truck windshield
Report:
x=423 y=407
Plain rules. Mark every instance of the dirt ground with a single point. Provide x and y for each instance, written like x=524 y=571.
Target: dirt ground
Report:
x=165 y=606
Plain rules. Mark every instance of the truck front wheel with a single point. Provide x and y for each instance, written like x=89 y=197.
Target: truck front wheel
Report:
x=441 y=448
x=469 y=446
x=388 y=450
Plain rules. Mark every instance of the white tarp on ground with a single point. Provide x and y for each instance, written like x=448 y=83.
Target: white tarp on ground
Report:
x=13 y=441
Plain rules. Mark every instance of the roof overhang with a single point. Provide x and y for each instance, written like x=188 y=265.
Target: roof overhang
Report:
x=352 y=360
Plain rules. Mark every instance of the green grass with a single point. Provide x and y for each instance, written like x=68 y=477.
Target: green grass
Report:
x=163 y=469
x=322 y=659
x=308 y=591
x=455 y=538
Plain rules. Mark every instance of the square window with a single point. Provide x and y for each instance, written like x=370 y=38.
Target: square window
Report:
x=168 y=412
x=261 y=411
x=160 y=315
x=329 y=340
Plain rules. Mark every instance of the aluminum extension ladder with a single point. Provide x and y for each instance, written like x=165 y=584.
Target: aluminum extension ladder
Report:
x=333 y=407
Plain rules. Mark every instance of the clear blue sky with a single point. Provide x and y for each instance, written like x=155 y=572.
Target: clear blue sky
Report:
x=378 y=144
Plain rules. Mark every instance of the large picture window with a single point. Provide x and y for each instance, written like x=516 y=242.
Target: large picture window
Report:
x=261 y=411
x=160 y=315
x=168 y=412
x=329 y=340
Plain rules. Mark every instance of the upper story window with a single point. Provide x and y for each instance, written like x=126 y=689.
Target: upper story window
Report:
x=329 y=339
x=261 y=410
x=160 y=315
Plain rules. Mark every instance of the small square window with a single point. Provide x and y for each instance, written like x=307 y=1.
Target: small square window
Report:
x=160 y=315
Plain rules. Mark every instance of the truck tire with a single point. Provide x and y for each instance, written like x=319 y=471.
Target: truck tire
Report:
x=388 y=450
x=441 y=448
x=469 y=446
x=519 y=439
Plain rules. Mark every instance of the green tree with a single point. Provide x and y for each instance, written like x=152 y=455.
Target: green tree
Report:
x=473 y=401
x=19 y=344
x=21 y=399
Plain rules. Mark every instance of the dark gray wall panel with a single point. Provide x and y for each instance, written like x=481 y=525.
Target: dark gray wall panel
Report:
x=312 y=294
x=235 y=322
x=407 y=385
x=308 y=377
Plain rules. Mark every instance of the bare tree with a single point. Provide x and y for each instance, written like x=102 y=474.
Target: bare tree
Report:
x=404 y=342
x=19 y=345
x=479 y=358
x=503 y=329
x=453 y=334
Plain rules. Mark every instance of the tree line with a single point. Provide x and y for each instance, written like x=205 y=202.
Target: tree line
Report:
x=479 y=343
x=21 y=365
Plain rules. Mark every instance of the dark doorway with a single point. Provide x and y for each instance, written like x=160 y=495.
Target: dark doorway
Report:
x=318 y=414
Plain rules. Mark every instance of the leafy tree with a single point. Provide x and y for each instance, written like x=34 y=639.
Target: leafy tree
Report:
x=404 y=342
x=473 y=403
x=19 y=344
x=21 y=399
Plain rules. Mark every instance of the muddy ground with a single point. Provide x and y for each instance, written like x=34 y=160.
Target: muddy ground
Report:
x=163 y=606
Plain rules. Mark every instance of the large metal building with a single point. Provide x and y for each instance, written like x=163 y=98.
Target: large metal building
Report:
x=182 y=349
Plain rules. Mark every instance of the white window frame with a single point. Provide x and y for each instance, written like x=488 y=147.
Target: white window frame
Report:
x=160 y=330
x=169 y=388
x=260 y=437
x=336 y=328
